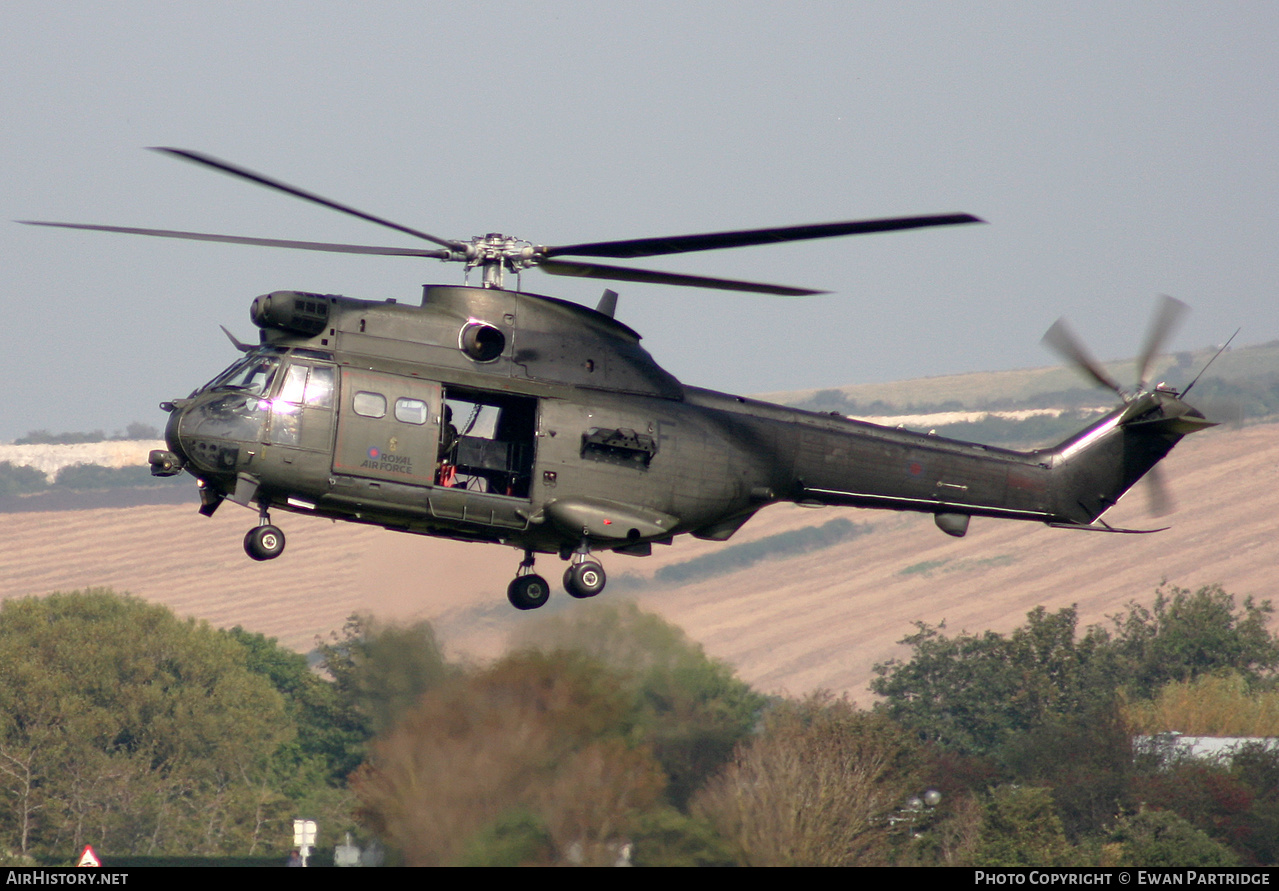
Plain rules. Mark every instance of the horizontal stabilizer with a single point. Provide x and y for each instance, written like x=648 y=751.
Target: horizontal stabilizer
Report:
x=1181 y=426
x=1099 y=526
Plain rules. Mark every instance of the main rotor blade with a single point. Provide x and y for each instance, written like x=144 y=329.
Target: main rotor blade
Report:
x=626 y=274
x=1062 y=340
x=261 y=242
x=678 y=244
x=243 y=173
x=1168 y=313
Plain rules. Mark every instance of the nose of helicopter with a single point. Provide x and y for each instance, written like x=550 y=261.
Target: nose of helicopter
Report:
x=206 y=433
x=170 y=461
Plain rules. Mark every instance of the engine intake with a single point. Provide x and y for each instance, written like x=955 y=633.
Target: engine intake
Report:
x=296 y=311
x=481 y=341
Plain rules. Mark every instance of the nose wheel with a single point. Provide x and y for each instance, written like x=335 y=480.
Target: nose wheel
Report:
x=264 y=541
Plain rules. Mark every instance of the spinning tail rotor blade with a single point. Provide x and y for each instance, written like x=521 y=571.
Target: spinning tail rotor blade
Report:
x=1062 y=340
x=1169 y=312
x=1160 y=502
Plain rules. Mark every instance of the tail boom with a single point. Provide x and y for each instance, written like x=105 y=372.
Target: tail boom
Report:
x=1070 y=485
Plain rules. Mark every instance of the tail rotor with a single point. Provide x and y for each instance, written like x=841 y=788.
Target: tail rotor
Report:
x=1159 y=411
x=1167 y=316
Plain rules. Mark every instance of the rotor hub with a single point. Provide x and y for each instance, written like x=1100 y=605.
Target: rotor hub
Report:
x=496 y=253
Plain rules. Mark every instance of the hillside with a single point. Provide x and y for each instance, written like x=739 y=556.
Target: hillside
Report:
x=50 y=458
x=1041 y=387
x=819 y=619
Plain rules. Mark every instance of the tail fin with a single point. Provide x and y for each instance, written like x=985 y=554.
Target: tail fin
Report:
x=1092 y=470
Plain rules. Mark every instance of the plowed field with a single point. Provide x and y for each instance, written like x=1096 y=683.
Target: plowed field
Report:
x=820 y=619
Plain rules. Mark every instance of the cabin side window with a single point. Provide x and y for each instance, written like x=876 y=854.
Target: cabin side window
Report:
x=411 y=411
x=368 y=404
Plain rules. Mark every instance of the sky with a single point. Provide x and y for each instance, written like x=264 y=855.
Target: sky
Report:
x=1116 y=150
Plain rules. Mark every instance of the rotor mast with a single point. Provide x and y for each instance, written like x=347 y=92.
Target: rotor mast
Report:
x=496 y=253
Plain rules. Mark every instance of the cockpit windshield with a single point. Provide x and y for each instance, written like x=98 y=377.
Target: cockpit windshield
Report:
x=251 y=375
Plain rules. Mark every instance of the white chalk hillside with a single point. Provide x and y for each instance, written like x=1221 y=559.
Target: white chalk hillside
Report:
x=49 y=459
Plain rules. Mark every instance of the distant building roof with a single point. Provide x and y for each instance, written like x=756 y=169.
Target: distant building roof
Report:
x=1173 y=746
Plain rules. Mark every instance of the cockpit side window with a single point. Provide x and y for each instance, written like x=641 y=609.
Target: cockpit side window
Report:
x=294 y=384
x=319 y=387
x=294 y=419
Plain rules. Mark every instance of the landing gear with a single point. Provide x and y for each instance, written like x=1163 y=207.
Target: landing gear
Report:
x=528 y=590
x=585 y=579
x=264 y=541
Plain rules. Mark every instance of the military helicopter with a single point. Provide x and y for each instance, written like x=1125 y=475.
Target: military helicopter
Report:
x=493 y=415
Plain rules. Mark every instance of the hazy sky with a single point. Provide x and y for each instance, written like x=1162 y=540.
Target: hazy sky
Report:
x=1118 y=150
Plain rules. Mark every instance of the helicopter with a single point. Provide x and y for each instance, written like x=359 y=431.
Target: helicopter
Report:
x=485 y=414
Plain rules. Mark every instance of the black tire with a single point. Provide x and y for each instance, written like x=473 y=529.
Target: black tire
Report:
x=264 y=542
x=585 y=579
x=528 y=592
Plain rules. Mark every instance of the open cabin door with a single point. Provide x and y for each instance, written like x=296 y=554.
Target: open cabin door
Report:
x=487 y=442
x=388 y=427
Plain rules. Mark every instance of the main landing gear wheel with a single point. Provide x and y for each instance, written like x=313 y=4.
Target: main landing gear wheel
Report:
x=264 y=542
x=585 y=579
x=528 y=591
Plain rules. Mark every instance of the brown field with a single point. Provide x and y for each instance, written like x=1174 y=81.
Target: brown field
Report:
x=821 y=619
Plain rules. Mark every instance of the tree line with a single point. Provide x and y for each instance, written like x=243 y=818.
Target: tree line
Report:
x=605 y=735
x=133 y=431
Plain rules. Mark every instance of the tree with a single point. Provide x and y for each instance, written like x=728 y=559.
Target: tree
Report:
x=690 y=709
x=815 y=788
x=121 y=723
x=973 y=693
x=137 y=430
x=310 y=768
x=517 y=838
x=667 y=837
x=537 y=733
x=1086 y=760
x=1210 y=705
x=1186 y=634
x=976 y=693
x=1020 y=828
x=95 y=476
x=379 y=672
x=1206 y=794
x=17 y=479
x=1161 y=838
